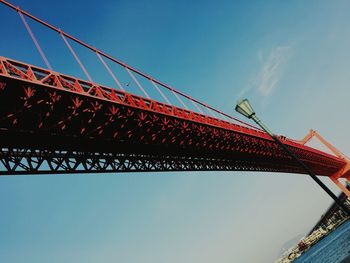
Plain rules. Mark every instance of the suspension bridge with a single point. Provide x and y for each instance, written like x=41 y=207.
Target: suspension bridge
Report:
x=53 y=123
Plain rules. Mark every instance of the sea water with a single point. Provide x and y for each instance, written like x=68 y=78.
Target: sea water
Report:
x=334 y=248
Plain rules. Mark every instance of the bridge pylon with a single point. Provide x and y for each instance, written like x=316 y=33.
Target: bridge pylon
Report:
x=344 y=172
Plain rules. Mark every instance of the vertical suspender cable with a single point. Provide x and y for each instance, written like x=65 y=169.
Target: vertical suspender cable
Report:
x=76 y=57
x=137 y=82
x=161 y=93
x=110 y=71
x=211 y=113
x=180 y=100
x=129 y=69
x=34 y=39
x=195 y=104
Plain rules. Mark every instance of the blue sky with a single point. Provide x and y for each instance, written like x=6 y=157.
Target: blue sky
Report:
x=290 y=58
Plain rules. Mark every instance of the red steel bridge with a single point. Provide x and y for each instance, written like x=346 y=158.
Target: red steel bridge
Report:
x=52 y=123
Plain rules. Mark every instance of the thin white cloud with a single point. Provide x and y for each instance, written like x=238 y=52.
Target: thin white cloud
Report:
x=271 y=69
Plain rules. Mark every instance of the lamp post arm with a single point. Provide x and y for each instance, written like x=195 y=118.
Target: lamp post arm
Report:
x=302 y=164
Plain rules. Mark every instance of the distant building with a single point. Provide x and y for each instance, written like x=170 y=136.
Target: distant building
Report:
x=333 y=213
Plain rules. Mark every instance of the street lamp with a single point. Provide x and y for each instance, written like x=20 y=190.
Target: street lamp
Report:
x=243 y=107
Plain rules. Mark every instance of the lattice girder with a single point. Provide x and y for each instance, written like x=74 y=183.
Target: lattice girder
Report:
x=52 y=113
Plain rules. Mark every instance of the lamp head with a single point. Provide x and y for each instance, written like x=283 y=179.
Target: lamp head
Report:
x=243 y=107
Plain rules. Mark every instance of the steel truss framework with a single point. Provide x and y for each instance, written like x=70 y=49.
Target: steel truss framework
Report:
x=26 y=161
x=53 y=123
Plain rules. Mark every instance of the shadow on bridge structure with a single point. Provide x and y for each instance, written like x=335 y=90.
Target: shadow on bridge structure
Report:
x=53 y=123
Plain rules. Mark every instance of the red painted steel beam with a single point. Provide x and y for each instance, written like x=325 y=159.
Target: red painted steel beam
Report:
x=44 y=114
x=121 y=63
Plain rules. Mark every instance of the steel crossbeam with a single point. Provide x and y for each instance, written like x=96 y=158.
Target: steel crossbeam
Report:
x=54 y=123
x=28 y=161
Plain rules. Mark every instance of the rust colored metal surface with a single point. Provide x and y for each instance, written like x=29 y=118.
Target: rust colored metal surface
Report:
x=53 y=123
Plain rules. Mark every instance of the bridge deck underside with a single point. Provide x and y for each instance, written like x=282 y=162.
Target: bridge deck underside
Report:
x=46 y=128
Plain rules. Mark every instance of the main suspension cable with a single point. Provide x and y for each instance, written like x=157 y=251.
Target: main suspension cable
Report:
x=176 y=92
